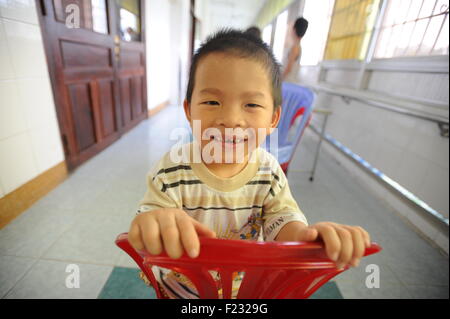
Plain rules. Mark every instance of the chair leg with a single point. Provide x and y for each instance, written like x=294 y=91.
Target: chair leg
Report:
x=148 y=283
x=316 y=157
x=284 y=167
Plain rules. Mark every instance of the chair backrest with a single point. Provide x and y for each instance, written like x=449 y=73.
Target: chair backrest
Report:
x=297 y=101
x=295 y=98
x=272 y=270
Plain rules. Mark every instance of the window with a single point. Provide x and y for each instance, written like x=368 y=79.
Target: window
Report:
x=93 y=14
x=280 y=36
x=413 y=28
x=318 y=14
x=129 y=15
x=267 y=34
x=99 y=16
x=350 y=29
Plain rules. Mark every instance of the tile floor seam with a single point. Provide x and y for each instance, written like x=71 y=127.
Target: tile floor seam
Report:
x=349 y=281
x=37 y=260
x=429 y=285
x=73 y=261
x=396 y=275
x=58 y=238
x=21 y=278
x=412 y=288
x=398 y=278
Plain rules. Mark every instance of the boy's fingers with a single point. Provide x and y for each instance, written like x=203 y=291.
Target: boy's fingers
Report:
x=365 y=235
x=189 y=237
x=170 y=235
x=202 y=230
x=308 y=234
x=151 y=237
x=331 y=240
x=134 y=237
x=346 y=252
x=358 y=245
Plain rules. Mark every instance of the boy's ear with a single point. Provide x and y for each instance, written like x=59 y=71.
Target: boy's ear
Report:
x=187 y=110
x=275 y=118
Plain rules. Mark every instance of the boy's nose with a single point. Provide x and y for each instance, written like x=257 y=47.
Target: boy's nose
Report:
x=230 y=118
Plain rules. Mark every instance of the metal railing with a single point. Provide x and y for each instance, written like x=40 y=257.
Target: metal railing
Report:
x=443 y=124
x=437 y=218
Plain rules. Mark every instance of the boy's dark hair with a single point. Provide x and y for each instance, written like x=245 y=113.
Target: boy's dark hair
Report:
x=300 y=27
x=255 y=31
x=242 y=45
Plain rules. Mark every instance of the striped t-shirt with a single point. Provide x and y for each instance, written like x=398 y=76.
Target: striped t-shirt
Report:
x=254 y=204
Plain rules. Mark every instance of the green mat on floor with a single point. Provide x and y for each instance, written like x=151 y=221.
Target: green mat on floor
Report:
x=124 y=283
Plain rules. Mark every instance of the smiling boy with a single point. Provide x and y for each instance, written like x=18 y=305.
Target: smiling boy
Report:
x=234 y=87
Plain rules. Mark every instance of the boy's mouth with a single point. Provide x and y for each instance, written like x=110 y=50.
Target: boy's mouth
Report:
x=229 y=140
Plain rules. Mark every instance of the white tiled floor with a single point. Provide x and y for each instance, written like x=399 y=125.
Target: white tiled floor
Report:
x=78 y=221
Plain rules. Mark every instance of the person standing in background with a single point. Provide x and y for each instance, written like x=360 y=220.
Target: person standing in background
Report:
x=293 y=53
x=255 y=31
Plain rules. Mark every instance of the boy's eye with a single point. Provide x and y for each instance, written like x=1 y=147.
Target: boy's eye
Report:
x=211 y=103
x=253 y=105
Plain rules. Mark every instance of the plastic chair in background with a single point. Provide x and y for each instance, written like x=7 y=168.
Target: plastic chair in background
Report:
x=272 y=270
x=297 y=101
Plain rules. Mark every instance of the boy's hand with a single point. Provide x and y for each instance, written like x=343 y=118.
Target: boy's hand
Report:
x=170 y=229
x=344 y=244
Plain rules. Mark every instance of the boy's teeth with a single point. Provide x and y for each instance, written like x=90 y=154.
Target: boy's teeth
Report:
x=219 y=139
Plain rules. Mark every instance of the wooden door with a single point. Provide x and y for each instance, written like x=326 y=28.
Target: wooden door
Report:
x=96 y=56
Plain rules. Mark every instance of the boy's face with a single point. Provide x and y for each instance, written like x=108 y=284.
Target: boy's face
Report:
x=232 y=93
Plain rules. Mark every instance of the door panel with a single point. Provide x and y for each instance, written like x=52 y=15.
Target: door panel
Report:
x=132 y=70
x=97 y=74
x=107 y=107
x=130 y=59
x=136 y=100
x=83 y=118
x=125 y=100
x=77 y=54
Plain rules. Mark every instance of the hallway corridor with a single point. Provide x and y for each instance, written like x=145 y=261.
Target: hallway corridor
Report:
x=78 y=221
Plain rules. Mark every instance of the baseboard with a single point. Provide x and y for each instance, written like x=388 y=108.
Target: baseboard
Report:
x=19 y=200
x=158 y=108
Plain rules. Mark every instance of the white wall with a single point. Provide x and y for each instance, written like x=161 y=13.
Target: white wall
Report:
x=158 y=56
x=29 y=132
x=407 y=149
x=218 y=14
x=412 y=85
x=180 y=35
x=167 y=46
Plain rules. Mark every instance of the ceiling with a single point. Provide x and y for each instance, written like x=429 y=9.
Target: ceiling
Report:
x=216 y=14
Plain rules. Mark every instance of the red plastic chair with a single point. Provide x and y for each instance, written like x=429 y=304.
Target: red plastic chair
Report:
x=273 y=270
